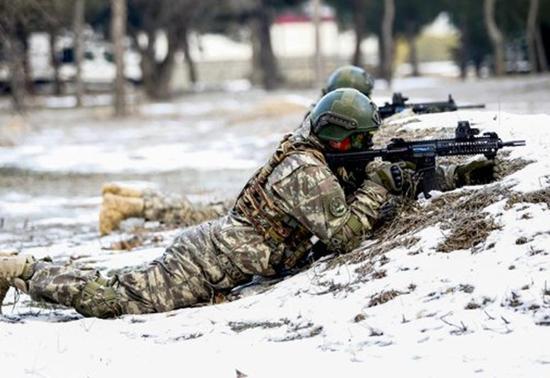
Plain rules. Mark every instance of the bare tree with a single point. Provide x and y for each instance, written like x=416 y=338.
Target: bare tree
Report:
x=495 y=35
x=359 y=26
x=14 y=18
x=265 y=69
x=190 y=62
x=170 y=19
x=54 y=58
x=387 y=39
x=56 y=12
x=78 y=29
x=118 y=33
x=541 y=51
x=535 y=50
x=318 y=55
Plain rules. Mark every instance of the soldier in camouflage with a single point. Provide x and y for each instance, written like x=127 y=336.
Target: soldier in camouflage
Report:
x=120 y=203
x=293 y=198
x=350 y=77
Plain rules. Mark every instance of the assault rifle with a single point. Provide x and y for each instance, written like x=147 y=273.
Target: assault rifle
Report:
x=399 y=103
x=423 y=153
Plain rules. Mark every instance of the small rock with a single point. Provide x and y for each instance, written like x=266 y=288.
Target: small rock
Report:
x=521 y=240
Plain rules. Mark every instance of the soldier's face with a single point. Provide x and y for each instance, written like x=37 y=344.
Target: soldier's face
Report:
x=355 y=142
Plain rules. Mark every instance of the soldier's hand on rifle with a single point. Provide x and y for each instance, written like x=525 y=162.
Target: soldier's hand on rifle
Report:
x=389 y=209
x=477 y=172
x=397 y=178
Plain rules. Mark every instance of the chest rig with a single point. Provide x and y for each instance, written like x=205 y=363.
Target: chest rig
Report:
x=287 y=238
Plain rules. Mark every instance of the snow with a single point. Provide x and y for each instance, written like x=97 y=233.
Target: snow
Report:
x=315 y=323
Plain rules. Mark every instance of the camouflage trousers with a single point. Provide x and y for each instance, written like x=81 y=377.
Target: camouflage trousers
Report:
x=191 y=271
x=173 y=209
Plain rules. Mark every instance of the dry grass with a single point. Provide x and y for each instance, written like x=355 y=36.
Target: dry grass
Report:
x=507 y=167
x=459 y=212
x=383 y=297
x=539 y=196
x=469 y=232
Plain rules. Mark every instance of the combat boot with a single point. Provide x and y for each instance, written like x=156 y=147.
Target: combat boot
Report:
x=115 y=208
x=15 y=270
x=123 y=191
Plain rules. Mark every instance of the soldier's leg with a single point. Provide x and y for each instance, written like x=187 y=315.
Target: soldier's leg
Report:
x=147 y=290
x=120 y=203
x=190 y=271
x=175 y=209
x=87 y=291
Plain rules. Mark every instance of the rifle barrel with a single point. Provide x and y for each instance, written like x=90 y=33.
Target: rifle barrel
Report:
x=514 y=143
x=475 y=106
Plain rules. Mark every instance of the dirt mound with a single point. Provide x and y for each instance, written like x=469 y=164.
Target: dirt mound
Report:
x=459 y=214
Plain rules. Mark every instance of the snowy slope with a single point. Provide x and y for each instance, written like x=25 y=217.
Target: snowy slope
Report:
x=477 y=312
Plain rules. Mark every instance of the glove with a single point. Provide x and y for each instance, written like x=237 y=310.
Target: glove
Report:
x=389 y=210
x=397 y=178
x=477 y=172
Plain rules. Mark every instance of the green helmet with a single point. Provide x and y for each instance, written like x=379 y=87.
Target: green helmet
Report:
x=342 y=113
x=350 y=77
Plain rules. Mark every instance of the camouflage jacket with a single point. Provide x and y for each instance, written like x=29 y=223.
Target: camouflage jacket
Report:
x=292 y=198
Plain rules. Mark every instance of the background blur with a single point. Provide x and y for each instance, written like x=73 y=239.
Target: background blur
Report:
x=192 y=96
x=163 y=48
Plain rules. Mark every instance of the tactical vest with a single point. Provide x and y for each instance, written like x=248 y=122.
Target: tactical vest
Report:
x=269 y=220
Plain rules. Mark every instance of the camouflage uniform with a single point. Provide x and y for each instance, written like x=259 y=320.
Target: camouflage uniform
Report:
x=293 y=197
x=178 y=210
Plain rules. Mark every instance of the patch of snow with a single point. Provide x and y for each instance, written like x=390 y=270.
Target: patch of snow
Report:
x=464 y=313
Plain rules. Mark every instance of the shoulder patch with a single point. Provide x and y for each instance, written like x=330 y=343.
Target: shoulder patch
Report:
x=291 y=163
x=337 y=205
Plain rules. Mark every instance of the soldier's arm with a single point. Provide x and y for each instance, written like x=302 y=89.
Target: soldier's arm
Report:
x=477 y=172
x=311 y=194
x=445 y=177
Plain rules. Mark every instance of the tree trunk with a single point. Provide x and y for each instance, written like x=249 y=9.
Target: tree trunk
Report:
x=496 y=37
x=191 y=68
x=148 y=62
x=23 y=37
x=463 y=49
x=359 y=19
x=265 y=70
x=530 y=34
x=477 y=66
x=118 y=33
x=387 y=39
x=157 y=75
x=54 y=61
x=78 y=29
x=541 y=52
x=318 y=55
x=381 y=58
x=16 y=52
x=413 y=54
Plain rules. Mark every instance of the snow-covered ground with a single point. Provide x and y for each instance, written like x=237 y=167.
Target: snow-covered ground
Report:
x=482 y=311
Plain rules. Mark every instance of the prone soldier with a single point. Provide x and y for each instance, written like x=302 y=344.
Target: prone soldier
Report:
x=292 y=198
